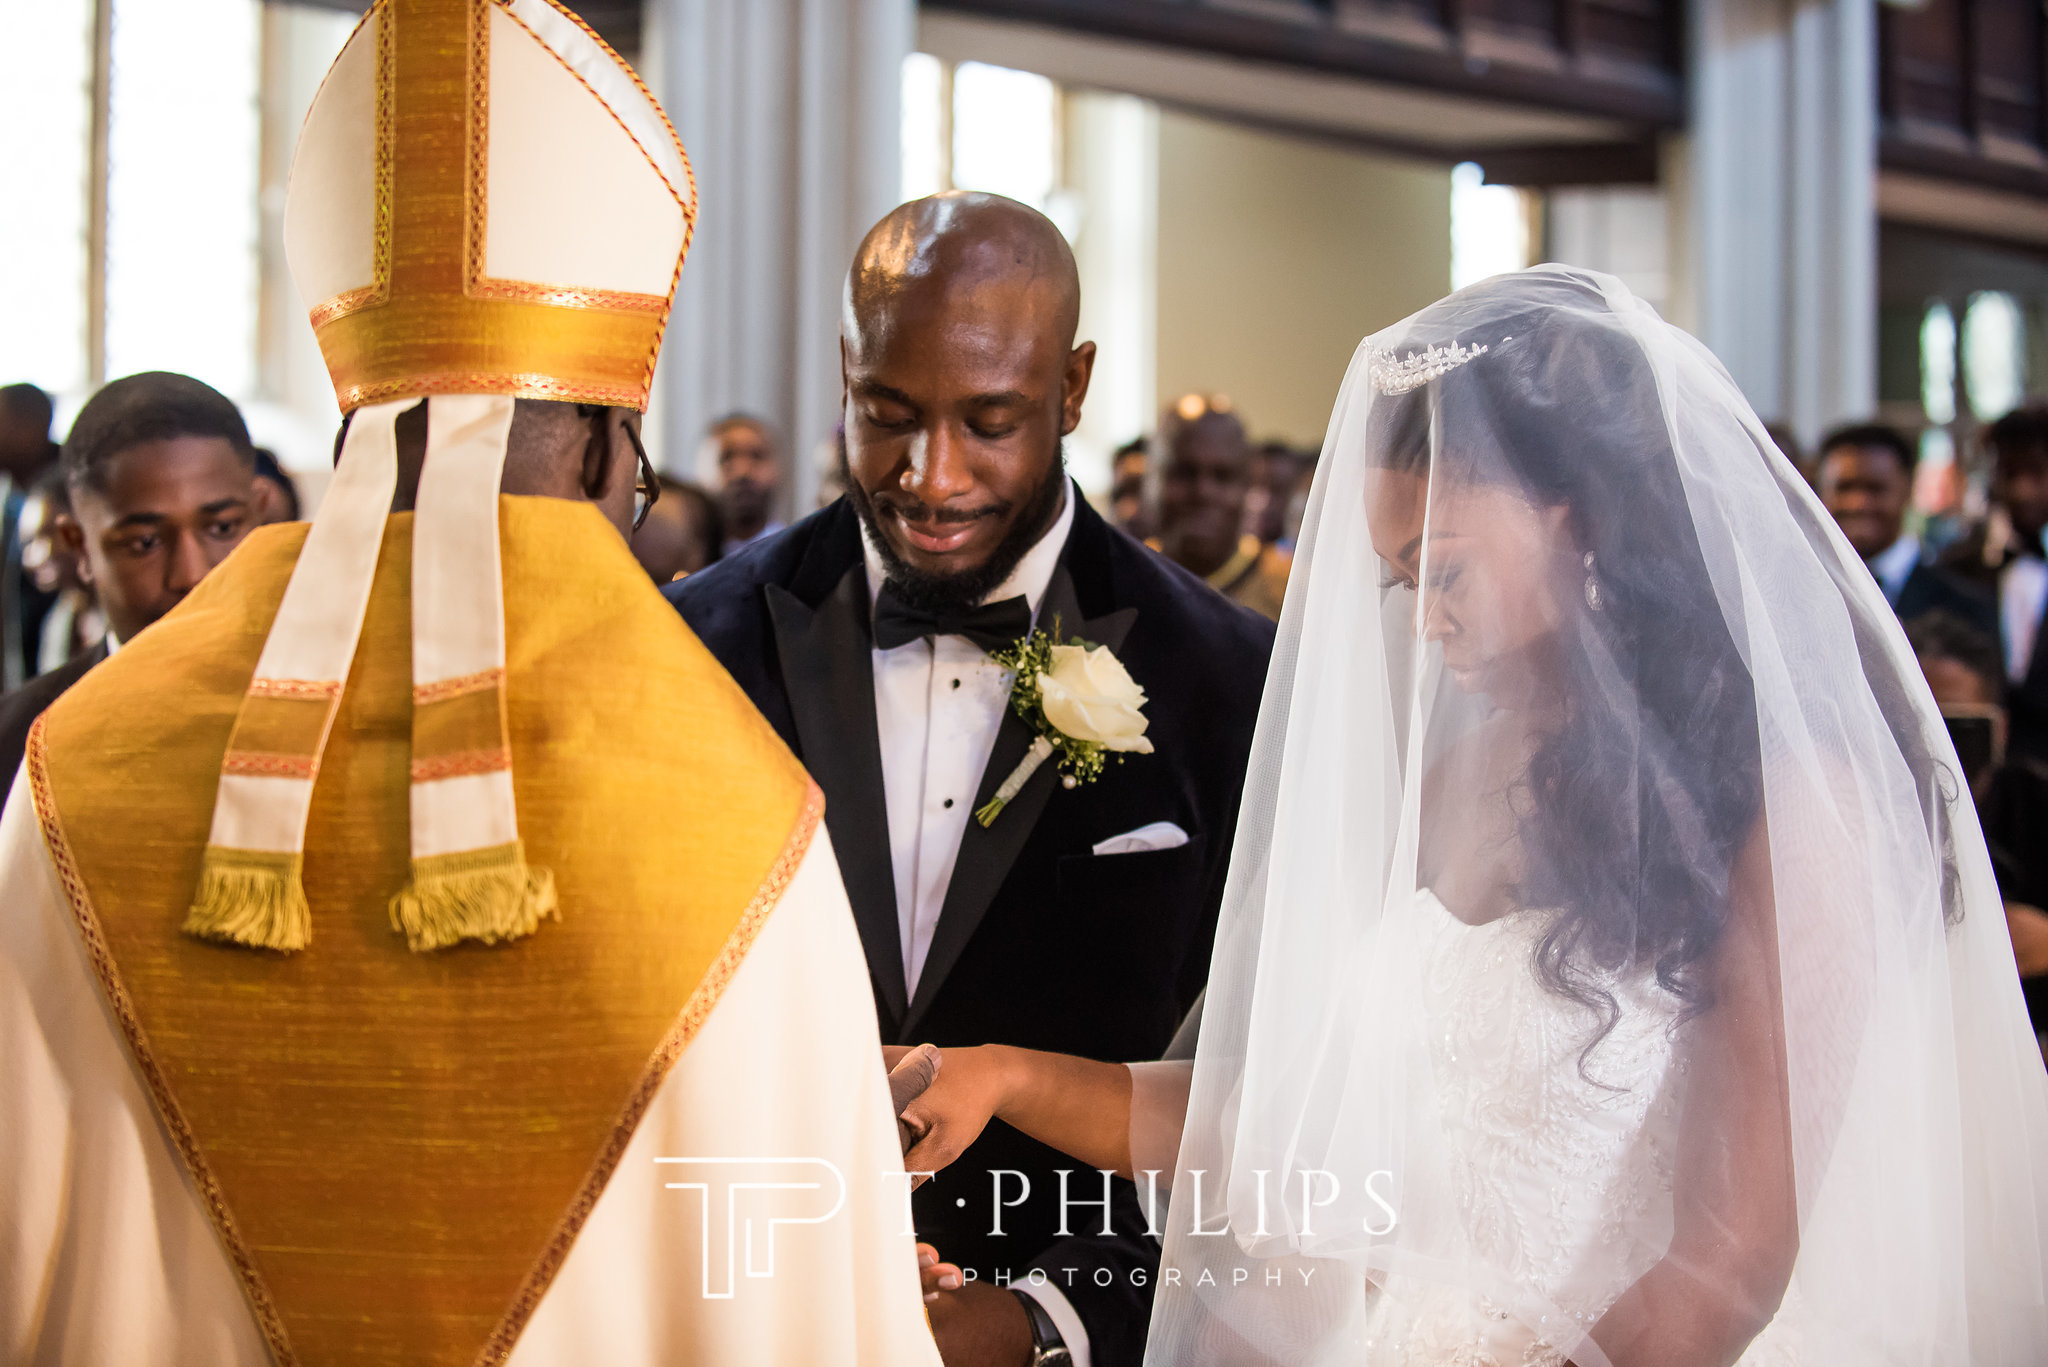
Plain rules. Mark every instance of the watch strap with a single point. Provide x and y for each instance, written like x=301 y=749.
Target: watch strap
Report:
x=1048 y=1349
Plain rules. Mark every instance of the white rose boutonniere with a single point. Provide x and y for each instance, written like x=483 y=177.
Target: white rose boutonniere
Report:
x=1089 y=695
x=1082 y=702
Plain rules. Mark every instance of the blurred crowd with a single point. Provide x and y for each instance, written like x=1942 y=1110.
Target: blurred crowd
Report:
x=1204 y=495
x=1972 y=594
x=158 y=480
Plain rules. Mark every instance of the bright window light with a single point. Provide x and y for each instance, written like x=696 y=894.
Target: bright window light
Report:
x=1938 y=364
x=924 y=146
x=1489 y=233
x=1994 y=354
x=1005 y=138
x=46 y=150
x=182 y=139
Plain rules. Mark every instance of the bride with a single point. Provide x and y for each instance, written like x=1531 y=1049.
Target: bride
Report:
x=1610 y=970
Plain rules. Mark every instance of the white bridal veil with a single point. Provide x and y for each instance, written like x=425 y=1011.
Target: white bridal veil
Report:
x=1610 y=969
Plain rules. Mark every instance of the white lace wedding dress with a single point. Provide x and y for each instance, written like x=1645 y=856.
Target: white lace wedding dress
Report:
x=1561 y=1176
x=1563 y=618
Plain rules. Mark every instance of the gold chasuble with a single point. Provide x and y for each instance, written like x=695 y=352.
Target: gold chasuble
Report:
x=415 y=951
x=398 y=1148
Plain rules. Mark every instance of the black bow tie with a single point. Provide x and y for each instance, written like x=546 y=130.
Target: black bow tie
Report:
x=990 y=626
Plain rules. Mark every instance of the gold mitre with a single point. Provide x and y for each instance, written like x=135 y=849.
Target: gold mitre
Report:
x=486 y=206
x=487 y=200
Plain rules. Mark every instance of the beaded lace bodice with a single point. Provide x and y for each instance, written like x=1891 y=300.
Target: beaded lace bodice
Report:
x=1561 y=1176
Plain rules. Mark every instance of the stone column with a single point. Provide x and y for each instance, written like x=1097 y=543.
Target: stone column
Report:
x=790 y=112
x=1776 y=186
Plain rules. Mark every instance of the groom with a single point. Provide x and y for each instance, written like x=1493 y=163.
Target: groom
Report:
x=1080 y=919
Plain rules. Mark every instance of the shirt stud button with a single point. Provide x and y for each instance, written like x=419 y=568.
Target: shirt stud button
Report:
x=949 y=803
x=956 y=683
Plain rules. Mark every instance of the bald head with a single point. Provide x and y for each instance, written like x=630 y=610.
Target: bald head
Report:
x=968 y=253
x=961 y=377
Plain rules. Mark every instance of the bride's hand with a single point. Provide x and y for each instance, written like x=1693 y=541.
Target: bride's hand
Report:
x=953 y=1111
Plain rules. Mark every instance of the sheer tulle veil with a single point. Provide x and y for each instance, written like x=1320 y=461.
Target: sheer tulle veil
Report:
x=1609 y=939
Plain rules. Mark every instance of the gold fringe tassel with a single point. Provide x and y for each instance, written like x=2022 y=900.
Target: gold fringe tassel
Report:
x=490 y=895
x=251 y=897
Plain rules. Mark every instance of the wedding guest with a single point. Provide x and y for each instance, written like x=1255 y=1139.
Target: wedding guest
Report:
x=1967 y=677
x=1204 y=481
x=683 y=533
x=1865 y=480
x=2004 y=558
x=276 y=496
x=747 y=463
x=831 y=459
x=1277 y=471
x=1079 y=915
x=72 y=625
x=25 y=446
x=1297 y=502
x=1127 y=486
x=161 y=475
x=1787 y=441
x=26 y=452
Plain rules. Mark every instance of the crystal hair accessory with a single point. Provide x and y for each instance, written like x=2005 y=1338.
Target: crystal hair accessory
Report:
x=1393 y=374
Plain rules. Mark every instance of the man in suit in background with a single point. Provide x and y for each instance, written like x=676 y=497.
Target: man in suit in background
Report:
x=26 y=454
x=162 y=480
x=2003 y=557
x=1865 y=478
x=1079 y=919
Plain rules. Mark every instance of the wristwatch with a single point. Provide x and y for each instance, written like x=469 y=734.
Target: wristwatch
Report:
x=1048 y=1349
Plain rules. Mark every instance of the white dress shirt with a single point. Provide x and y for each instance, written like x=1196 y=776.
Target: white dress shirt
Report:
x=2022 y=598
x=1894 y=565
x=938 y=705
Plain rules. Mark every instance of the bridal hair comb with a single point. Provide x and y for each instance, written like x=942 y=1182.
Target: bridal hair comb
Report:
x=1391 y=374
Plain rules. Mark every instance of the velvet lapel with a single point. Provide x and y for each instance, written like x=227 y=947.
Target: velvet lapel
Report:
x=829 y=675
x=987 y=852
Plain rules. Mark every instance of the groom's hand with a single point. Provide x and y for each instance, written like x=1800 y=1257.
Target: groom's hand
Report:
x=981 y=1326
x=911 y=1072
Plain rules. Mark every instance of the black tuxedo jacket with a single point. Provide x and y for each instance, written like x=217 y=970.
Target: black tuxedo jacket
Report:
x=2027 y=701
x=1040 y=942
x=1930 y=589
x=19 y=709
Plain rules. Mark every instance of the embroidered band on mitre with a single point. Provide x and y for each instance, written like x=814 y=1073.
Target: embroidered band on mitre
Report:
x=486 y=204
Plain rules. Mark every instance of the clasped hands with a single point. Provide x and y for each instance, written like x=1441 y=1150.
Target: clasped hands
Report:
x=943 y=1099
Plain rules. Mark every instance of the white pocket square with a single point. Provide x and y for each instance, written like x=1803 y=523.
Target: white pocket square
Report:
x=1160 y=835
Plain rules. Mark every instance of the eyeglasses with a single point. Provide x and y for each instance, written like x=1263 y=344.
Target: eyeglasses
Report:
x=646 y=484
x=647 y=487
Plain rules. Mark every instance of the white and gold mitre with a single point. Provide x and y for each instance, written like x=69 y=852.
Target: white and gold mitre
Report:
x=486 y=206
x=487 y=200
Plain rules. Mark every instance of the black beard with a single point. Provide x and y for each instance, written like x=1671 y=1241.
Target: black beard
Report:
x=948 y=593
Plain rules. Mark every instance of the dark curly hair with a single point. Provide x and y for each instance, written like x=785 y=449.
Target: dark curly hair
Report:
x=1633 y=811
